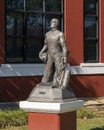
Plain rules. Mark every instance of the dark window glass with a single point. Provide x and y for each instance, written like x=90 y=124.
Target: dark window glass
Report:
x=53 y=5
x=34 y=24
x=14 y=4
x=91 y=30
x=36 y=5
x=91 y=50
x=90 y=26
x=26 y=24
x=14 y=50
x=32 y=48
x=14 y=23
x=90 y=6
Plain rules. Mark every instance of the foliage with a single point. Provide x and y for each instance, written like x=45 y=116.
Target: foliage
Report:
x=12 y=118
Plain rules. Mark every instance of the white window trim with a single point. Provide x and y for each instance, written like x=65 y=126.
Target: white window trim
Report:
x=88 y=69
x=12 y=70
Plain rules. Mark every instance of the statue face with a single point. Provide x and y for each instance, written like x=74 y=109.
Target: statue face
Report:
x=54 y=23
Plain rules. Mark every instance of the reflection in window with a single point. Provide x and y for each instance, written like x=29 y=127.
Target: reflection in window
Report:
x=14 y=23
x=91 y=30
x=26 y=24
x=34 y=24
x=90 y=27
x=90 y=7
x=14 y=4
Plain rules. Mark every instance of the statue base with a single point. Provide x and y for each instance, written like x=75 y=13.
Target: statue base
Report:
x=44 y=92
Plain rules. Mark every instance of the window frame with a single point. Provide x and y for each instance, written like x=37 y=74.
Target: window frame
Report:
x=96 y=38
x=25 y=12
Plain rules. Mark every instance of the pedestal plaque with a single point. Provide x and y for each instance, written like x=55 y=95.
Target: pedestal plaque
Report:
x=45 y=92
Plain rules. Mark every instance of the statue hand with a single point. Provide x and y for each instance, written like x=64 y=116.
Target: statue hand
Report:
x=43 y=56
x=40 y=55
x=65 y=61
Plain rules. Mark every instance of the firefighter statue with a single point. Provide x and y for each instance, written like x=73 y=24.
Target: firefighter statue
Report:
x=54 y=53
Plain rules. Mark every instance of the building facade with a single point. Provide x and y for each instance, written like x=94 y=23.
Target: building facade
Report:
x=23 y=25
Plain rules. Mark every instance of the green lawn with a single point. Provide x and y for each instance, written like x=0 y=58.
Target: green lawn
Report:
x=91 y=124
x=86 y=120
x=82 y=124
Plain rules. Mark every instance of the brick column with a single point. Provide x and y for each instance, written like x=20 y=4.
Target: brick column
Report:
x=46 y=121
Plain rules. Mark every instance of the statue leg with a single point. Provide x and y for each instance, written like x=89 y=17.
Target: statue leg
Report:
x=48 y=71
x=59 y=70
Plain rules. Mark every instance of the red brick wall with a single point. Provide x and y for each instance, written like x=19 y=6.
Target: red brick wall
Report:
x=17 y=88
x=88 y=85
x=73 y=25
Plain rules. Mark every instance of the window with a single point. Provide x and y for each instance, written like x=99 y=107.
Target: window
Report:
x=91 y=30
x=26 y=24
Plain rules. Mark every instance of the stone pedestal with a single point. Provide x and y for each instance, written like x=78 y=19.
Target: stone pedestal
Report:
x=51 y=116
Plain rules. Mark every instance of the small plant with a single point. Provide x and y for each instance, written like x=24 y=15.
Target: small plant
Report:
x=85 y=113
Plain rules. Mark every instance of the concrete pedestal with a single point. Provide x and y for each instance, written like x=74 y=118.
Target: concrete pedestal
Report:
x=51 y=116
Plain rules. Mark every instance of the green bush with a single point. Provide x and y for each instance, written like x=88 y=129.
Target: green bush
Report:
x=85 y=113
x=98 y=128
x=12 y=118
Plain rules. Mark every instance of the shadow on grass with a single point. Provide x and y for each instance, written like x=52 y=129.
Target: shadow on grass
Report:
x=98 y=128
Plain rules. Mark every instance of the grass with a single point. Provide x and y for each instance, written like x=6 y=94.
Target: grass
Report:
x=87 y=119
x=11 y=118
x=82 y=124
x=16 y=128
x=86 y=113
x=91 y=124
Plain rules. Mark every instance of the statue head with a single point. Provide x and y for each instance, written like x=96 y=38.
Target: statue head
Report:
x=54 y=23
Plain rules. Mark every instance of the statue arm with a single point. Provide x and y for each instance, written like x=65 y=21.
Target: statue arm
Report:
x=64 y=49
x=43 y=49
x=45 y=45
